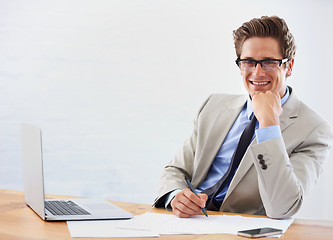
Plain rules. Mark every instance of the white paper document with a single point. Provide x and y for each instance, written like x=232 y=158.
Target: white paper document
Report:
x=154 y=224
x=106 y=228
x=200 y=224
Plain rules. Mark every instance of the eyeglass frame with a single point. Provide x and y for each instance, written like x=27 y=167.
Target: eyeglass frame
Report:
x=260 y=62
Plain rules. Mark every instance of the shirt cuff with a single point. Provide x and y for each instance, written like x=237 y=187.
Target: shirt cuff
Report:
x=170 y=197
x=268 y=133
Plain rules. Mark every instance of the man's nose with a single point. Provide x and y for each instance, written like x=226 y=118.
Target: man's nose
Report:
x=258 y=71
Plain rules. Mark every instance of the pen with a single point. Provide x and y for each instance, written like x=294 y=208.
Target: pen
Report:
x=192 y=189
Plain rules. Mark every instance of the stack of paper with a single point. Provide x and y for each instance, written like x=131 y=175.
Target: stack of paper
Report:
x=153 y=225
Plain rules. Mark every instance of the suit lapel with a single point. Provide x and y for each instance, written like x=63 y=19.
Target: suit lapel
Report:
x=290 y=112
x=222 y=124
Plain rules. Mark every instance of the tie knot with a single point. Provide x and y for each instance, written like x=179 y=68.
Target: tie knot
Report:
x=252 y=116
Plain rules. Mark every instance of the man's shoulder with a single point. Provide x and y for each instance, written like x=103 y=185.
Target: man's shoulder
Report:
x=226 y=98
x=218 y=101
x=306 y=112
x=298 y=108
x=306 y=117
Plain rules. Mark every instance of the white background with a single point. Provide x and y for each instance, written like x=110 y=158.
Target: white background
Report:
x=115 y=85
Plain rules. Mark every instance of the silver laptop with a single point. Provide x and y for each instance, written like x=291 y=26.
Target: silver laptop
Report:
x=56 y=209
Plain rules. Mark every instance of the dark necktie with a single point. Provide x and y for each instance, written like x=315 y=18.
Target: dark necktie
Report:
x=237 y=156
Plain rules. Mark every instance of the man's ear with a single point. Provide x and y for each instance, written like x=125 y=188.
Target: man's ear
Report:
x=289 y=66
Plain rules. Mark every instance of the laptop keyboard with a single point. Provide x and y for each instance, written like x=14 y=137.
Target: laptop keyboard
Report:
x=57 y=207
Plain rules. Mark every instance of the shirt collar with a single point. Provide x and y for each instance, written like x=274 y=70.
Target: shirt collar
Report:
x=249 y=108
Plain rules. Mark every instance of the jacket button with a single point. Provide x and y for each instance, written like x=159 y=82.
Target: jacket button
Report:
x=260 y=156
x=264 y=166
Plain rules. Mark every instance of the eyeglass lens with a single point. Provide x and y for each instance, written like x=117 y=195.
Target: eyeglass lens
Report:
x=267 y=65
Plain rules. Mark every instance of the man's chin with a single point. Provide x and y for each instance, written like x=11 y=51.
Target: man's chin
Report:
x=254 y=92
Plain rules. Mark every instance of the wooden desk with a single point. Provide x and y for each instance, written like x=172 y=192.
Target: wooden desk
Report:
x=17 y=221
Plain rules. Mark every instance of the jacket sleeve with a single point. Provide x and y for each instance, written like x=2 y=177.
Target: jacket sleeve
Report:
x=285 y=176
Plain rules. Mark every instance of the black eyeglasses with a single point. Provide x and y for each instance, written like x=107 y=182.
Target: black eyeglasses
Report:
x=269 y=65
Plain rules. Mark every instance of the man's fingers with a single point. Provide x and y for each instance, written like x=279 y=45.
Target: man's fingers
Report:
x=198 y=201
x=186 y=203
x=267 y=108
x=204 y=197
x=182 y=210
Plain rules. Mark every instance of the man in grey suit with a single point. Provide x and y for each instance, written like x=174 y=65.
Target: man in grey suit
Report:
x=288 y=148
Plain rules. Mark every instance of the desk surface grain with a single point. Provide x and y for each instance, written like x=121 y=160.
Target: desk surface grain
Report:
x=17 y=221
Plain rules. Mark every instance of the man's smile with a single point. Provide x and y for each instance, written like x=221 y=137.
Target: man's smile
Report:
x=259 y=83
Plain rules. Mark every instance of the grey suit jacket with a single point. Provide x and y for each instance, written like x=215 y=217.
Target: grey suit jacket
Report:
x=294 y=162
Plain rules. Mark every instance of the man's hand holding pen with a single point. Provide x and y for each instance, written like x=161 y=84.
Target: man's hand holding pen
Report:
x=186 y=203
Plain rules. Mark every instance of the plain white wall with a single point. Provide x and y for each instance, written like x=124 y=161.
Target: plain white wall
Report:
x=115 y=85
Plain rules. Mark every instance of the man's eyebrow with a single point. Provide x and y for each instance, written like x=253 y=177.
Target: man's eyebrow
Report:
x=265 y=58
x=249 y=58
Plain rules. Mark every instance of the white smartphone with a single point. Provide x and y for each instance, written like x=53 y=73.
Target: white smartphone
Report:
x=259 y=232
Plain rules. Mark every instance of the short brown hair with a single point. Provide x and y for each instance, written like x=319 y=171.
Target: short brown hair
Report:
x=274 y=27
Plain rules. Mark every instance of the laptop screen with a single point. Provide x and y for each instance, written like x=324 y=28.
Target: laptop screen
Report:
x=33 y=168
